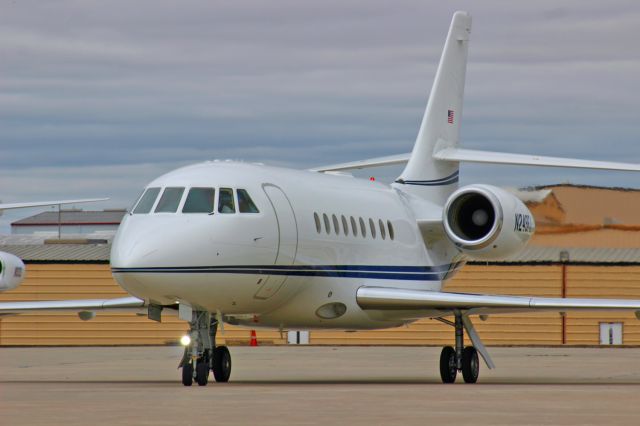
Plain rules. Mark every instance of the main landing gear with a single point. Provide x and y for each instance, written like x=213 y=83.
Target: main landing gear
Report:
x=459 y=359
x=202 y=354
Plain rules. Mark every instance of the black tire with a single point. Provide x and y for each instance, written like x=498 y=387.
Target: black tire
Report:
x=470 y=364
x=448 y=367
x=221 y=364
x=187 y=374
x=202 y=373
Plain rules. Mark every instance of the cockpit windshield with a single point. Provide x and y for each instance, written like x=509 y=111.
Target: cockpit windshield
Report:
x=147 y=201
x=199 y=200
x=225 y=201
x=245 y=203
x=170 y=200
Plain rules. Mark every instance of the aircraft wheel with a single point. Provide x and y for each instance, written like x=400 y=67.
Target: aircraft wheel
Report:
x=187 y=374
x=470 y=364
x=221 y=364
x=202 y=373
x=448 y=367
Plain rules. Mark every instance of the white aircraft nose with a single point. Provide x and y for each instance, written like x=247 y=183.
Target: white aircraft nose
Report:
x=134 y=244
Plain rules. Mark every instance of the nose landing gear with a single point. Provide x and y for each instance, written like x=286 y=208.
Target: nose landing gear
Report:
x=202 y=355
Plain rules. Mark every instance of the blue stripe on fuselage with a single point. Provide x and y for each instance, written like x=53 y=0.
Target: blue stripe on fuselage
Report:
x=413 y=273
x=452 y=178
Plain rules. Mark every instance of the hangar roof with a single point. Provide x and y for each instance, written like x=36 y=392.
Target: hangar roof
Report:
x=74 y=217
x=585 y=205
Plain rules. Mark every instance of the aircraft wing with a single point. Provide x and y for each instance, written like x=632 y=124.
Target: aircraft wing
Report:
x=8 y=206
x=407 y=299
x=119 y=304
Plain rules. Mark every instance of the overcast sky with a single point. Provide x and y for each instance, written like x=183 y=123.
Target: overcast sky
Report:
x=99 y=97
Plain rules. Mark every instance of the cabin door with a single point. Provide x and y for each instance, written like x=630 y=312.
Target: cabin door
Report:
x=287 y=240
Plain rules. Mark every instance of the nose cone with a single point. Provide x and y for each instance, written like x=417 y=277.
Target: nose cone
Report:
x=133 y=244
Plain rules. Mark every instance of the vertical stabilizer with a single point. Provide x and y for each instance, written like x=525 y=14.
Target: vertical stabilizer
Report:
x=425 y=176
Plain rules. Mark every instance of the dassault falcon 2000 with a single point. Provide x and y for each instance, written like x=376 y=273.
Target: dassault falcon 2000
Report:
x=262 y=246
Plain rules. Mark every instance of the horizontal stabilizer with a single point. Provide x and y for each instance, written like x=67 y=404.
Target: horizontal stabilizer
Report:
x=365 y=164
x=48 y=203
x=472 y=156
x=407 y=299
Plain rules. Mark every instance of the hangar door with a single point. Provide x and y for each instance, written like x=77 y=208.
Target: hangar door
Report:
x=610 y=333
x=287 y=239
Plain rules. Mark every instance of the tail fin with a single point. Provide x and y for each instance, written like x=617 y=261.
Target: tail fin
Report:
x=424 y=175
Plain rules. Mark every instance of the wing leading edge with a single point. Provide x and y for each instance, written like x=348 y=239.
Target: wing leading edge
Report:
x=406 y=299
x=118 y=304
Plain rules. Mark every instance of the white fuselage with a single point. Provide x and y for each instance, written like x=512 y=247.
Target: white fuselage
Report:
x=275 y=268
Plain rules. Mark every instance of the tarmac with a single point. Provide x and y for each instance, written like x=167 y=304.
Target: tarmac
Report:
x=318 y=385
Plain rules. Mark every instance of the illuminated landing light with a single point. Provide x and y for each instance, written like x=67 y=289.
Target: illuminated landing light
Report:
x=185 y=340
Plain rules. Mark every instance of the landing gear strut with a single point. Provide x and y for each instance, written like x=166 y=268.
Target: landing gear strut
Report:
x=459 y=359
x=202 y=355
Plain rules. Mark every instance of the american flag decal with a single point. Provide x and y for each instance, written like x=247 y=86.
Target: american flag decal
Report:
x=450 y=116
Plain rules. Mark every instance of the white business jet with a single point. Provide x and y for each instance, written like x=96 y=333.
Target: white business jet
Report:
x=262 y=246
x=12 y=269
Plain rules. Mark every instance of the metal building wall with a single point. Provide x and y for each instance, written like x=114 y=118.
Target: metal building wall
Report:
x=86 y=281
x=82 y=280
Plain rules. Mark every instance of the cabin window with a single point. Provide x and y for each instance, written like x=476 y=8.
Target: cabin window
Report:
x=225 y=201
x=199 y=200
x=336 y=224
x=363 y=229
x=245 y=203
x=391 y=233
x=170 y=200
x=327 y=226
x=147 y=201
x=318 y=225
x=373 y=228
x=345 y=225
x=354 y=227
x=383 y=232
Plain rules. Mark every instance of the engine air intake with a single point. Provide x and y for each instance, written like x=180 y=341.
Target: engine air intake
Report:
x=485 y=222
x=471 y=216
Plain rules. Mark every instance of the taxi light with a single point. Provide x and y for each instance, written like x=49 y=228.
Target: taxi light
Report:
x=185 y=340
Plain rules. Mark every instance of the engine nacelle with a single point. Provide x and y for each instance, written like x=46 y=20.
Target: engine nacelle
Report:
x=486 y=222
x=11 y=271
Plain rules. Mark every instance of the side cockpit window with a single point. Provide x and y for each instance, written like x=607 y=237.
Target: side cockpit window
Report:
x=225 y=201
x=199 y=200
x=147 y=201
x=245 y=203
x=130 y=210
x=170 y=200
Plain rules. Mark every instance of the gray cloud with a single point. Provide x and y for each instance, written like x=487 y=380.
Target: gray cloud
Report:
x=97 y=98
